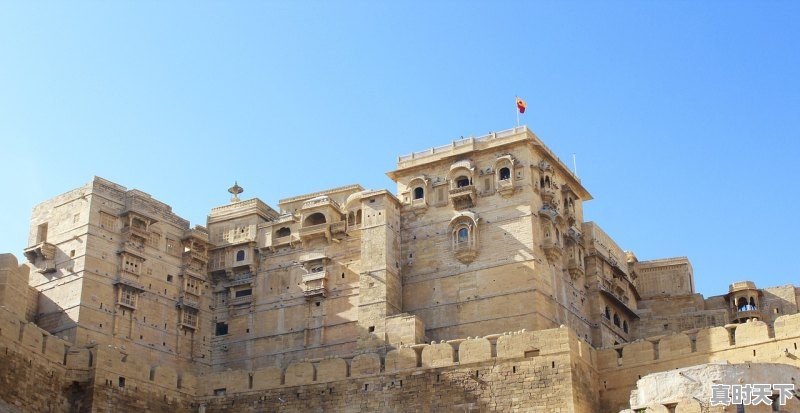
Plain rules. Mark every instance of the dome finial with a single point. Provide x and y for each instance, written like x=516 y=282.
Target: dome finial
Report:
x=235 y=190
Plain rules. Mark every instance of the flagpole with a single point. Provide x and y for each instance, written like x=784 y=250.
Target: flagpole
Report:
x=517 y=109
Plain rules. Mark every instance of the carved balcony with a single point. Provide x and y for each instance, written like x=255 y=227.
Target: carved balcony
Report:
x=315 y=284
x=548 y=194
x=465 y=252
x=338 y=228
x=45 y=253
x=201 y=256
x=287 y=240
x=194 y=271
x=575 y=235
x=129 y=279
x=316 y=231
x=188 y=300
x=239 y=279
x=575 y=268
x=135 y=231
x=505 y=187
x=552 y=250
x=245 y=299
x=463 y=197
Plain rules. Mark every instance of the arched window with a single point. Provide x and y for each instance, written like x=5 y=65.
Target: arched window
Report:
x=505 y=174
x=284 y=232
x=547 y=181
x=616 y=320
x=463 y=235
x=625 y=326
x=358 y=217
x=314 y=219
x=608 y=313
x=419 y=193
x=541 y=182
x=741 y=304
x=462 y=181
x=240 y=255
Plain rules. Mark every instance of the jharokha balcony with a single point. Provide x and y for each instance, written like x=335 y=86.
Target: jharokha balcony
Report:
x=551 y=249
x=315 y=284
x=316 y=231
x=463 y=197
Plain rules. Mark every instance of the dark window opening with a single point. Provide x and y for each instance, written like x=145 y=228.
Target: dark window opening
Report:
x=284 y=232
x=222 y=329
x=240 y=255
x=122 y=381
x=505 y=174
x=608 y=313
x=462 y=181
x=616 y=320
x=169 y=278
x=316 y=218
x=463 y=235
x=371 y=329
x=219 y=392
x=244 y=293
x=419 y=193
x=625 y=326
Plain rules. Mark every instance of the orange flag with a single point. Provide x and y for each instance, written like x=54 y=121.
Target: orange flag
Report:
x=521 y=105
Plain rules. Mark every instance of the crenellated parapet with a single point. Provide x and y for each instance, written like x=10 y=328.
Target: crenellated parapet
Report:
x=752 y=342
x=412 y=359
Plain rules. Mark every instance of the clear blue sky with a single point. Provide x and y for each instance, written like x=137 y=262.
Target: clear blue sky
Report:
x=684 y=115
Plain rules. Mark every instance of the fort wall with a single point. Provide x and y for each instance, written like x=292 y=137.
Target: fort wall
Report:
x=511 y=371
x=620 y=367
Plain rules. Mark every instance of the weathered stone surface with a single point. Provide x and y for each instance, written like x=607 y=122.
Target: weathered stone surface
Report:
x=482 y=252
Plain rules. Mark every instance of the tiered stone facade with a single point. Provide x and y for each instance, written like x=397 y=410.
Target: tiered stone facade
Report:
x=477 y=287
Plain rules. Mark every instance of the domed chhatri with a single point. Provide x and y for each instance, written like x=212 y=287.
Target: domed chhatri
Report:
x=235 y=190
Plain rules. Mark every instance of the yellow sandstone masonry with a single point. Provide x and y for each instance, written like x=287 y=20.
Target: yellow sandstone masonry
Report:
x=475 y=286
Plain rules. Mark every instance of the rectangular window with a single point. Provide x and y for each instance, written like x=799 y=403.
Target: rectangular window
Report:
x=440 y=194
x=132 y=264
x=244 y=293
x=222 y=329
x=127 y=296
x=108 y=221
x=154 y=239
x=192 y=285
x=189 y=318
x=218 y=260
x=41 y=233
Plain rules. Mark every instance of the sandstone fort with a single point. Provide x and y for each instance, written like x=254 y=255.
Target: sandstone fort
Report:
x=476 y=286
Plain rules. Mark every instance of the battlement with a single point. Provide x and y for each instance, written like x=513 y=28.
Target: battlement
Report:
x=717 y=342
x=415 y=359
x=751 y=342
